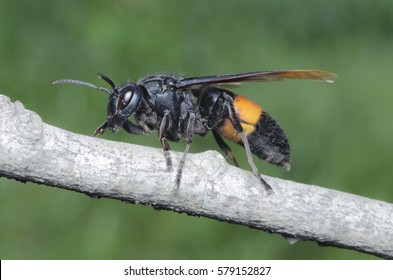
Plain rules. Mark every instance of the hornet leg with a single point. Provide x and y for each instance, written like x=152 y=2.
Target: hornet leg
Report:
x=225 y=148
x=239 y=129
x=101 y=129
x=188 y=139
x=164 y=143
x=127 y=126
x=133 y=128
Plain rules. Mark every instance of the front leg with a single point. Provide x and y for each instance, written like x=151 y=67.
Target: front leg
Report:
x=146 y=118
x=134 y=129
x=101 y=129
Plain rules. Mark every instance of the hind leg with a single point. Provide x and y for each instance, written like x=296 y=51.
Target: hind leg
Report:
x=227 y=151
x=239 y=130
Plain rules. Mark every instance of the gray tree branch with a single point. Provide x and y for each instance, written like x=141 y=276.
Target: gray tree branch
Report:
x=31 y=150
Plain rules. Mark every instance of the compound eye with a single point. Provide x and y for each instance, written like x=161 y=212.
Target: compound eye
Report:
x=125 y=99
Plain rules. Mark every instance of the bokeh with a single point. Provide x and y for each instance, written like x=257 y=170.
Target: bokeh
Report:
x=341 y=134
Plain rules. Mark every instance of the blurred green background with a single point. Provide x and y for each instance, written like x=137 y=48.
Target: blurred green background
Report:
x=341 y=134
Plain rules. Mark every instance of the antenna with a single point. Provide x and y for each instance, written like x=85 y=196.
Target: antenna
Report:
x=89 y=85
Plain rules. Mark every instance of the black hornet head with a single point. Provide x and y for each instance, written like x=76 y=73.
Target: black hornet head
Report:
x=124 y=99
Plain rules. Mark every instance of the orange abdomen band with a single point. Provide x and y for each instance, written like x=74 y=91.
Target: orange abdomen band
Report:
x=248 y=113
